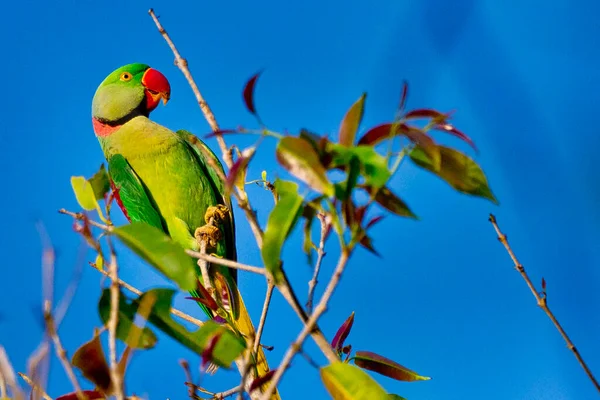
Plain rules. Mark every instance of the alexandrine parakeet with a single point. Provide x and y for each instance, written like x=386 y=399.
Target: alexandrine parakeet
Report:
x=163 y=178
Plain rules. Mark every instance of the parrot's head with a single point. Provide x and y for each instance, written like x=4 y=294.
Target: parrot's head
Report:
x=132 y=90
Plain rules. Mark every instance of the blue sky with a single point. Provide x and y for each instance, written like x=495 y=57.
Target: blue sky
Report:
x=444 y=298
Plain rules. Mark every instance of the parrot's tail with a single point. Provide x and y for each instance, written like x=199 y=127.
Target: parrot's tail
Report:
x=244 y=325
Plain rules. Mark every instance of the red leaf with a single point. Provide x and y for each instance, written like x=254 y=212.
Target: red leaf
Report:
x=365 y=242
x=359 y=214
x=543 y=283
x=249 y=93
x=91 y=395
x=403 y=97
x=373 y=221
x=347 y=349
x=238 y=170
x=258 y=382
x=224 y=132
x=340 y=336
x=455 y=132
x=426 y=113
x=388 y=200
x=385 y=366
x=210 y=347
x=414 y=134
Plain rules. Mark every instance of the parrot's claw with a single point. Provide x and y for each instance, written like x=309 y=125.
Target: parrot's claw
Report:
x=217 y=213
x=208 y=234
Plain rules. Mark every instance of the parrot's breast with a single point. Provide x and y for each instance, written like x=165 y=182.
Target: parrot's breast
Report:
x=171 y=174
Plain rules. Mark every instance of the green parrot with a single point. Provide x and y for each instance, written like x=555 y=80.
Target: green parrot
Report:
x=168 y=179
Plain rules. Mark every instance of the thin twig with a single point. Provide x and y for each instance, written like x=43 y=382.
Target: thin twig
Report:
x=246 y=370
x=225 y=262
x=227 y=393
x=61 y=353
x=312 y=284
x=263 y=315
x=115 y=374
x=310 y=324
x=138 y=292
x=541 y=301
x=182 y=64
x=7 y=375
x=34 y=386
x=188 y=377
x=82 y=217
x=2 y=386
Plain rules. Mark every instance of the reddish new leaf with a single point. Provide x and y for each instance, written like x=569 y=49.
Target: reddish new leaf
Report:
x=385 y=366
x=237 y=174
x=426 y=113
x=403 y=96
x=351 y=121
x=414 y=134
x=366 y=242
x=259 y=382
x=342 y=333
x=91 y=360
x=207 y=354
x=90 y=394
x=543 y=284
x=391 y=202
x=249 y=93
x=221 y=132
x=373 y=221
x=455 y=132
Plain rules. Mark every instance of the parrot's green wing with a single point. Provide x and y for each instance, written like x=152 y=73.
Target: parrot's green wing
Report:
x=210 y=163
x=130 y=194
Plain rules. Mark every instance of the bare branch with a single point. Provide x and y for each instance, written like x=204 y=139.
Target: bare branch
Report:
x=182 y=64
x=310 y=324
x=246 y=370
x=541 y=301
x=34 y=387
x=8 y=378
x=115 y=374
x=225 y=262
x=82 y=217
x=312 y=284
x=61 y=353
x=263 y=316
x=138 y=292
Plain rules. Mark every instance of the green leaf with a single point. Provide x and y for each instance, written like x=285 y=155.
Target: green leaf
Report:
x=458 y=170
x=160 y=251
x=127 y=331
x=100 y=183
x=281 y=221
x=228 y=347
x=84 y=193
x=347 y=382
x=395 y=397
x=351 y=178
x=374 y=166
x=300 y=158
x=384 y=366
x=351 y=122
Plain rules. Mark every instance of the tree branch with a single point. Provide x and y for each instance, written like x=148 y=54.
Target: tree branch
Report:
x=61 y=353
x=225 y=262
x=138 y=292
x=34 y=387
x=310 y=324
x=182 y=64
x=320 y=254
x=115 y=375
x=263 y=316
x=541 y=301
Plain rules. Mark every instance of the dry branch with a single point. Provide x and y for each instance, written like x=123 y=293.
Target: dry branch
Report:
x=541 y=301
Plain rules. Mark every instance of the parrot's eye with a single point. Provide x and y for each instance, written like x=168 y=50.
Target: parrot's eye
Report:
x=126 y=76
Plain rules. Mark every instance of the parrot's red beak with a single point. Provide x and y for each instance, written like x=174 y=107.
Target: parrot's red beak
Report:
x=157 y=88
